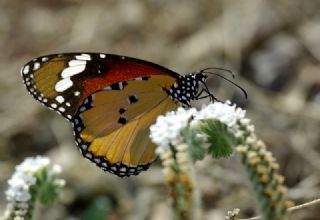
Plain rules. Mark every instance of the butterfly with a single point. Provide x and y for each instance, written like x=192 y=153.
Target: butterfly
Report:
x=111 y=101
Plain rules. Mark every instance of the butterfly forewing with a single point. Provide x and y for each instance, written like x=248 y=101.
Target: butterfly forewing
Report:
x=112 y=126
x=62 y=82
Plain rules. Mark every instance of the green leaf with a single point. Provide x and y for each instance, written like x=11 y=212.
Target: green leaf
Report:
x=195 y=144
x=220 y=140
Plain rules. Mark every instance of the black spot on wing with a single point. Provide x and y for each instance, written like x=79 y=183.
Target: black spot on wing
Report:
x=122 y=110
x=122 y=120
x=132 y=99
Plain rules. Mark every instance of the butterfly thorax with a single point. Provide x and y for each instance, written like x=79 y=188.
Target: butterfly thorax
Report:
x=186 y=87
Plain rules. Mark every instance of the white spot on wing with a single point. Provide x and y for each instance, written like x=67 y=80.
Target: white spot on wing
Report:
x=54 y=105
x=76 y=93
x=61 y=109
x=74 y=70
x=36 y=66
x=83 y=57
x=88 y=155
x=63 y=85
x=84 y=147
x=77 y=62
x=26 y=69
x=82 y=109
x=44 y=59
x=102 y=55
x=120 y=85
x=60 y=99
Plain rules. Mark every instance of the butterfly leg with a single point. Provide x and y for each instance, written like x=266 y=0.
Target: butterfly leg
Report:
x=208 y=94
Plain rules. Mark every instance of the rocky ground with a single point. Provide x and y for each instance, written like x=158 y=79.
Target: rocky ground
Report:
x=272 y=46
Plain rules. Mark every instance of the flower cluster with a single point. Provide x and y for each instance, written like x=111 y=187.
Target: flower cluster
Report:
x=168 y=128
x=21 y=185
x=230 y=115
x=224 y=126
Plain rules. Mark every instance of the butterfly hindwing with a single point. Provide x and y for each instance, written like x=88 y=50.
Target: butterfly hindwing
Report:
x=112 y=126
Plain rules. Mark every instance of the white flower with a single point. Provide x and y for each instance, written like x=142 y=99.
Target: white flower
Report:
x=56 y=169
x=168 y=128
x=224 y=112
x=33 y=164
x=18 y=190
x=25 y=176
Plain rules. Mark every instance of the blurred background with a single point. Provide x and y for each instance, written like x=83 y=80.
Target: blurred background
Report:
x=272 y=46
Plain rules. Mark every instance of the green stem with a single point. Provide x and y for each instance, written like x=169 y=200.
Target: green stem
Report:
x=185 y=196
x=267 y=183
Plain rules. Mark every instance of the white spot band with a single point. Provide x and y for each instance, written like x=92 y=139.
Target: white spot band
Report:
x=63 y=85
x=71 y=71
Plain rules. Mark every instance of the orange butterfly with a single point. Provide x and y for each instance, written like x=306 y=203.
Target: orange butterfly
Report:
x=111 y=101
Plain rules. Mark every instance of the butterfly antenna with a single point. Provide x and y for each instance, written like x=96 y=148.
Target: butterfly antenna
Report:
x=217 y=74
x=217 y=68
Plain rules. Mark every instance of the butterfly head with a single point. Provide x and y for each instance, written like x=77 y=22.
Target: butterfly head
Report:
x=193 y=86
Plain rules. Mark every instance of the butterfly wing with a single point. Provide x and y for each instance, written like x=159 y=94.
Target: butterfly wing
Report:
x=112 y=125
x=62 y=81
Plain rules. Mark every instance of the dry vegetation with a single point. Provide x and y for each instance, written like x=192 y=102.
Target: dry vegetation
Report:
x=273 y=46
